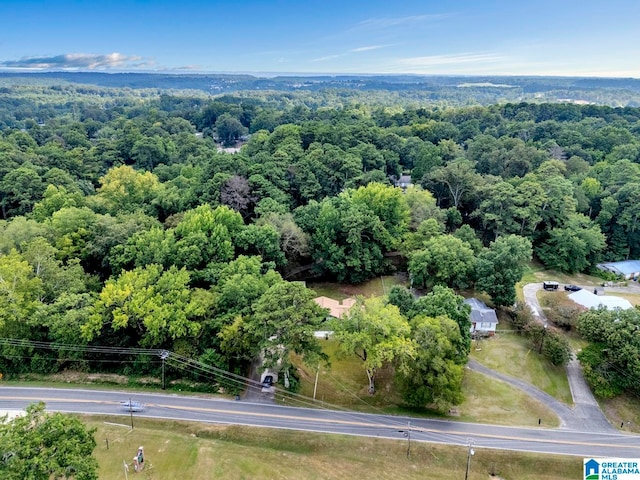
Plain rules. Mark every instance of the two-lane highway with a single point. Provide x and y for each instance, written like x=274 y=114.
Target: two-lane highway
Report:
x=209 y=410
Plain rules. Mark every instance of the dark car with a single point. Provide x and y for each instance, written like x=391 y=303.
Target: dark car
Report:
x=572 y=288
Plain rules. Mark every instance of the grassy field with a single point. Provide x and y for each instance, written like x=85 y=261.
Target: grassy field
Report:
x=198 y=451
x=623 y=409
x=376 y=287
x=510 y=353
x=491 y=401
x=486 y=401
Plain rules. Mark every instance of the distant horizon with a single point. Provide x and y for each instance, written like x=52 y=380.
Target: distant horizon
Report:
x=306 y=74
x=544 y=38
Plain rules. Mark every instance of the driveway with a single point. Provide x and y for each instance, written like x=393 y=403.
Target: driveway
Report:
x=586 y=413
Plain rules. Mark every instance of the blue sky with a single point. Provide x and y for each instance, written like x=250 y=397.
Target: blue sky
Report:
x=468 y=37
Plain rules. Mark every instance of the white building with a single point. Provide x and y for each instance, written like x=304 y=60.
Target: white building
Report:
x=591 y=300
x=483 y=319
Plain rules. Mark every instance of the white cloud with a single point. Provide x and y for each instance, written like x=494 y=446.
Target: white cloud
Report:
x=80 y=61
x=433 y=60
x=387 y=22
x=327 y=57
x=368 y=48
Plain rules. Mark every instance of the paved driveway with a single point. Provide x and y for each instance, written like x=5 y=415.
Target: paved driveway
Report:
x=587 y=414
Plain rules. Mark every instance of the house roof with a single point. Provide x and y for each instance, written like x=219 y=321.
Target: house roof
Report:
x=626 y=267
x=591 y=300
x=336 y=308
x=480 y=312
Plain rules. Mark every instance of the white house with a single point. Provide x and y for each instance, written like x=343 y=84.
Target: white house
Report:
x=483 y=319
x=591 y=300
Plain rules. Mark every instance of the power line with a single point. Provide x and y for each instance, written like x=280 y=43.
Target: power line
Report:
x=193 y=366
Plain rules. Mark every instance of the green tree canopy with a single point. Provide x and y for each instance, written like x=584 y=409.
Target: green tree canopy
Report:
x=501 y=266
x=284 y=320
x=445 y=260
x=434 y=374
x=41 y=446
x=149 y=304
x=376 y=333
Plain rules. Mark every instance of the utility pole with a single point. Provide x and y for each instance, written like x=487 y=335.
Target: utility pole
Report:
x=163 y=356
x=407 y=434
x=470 y=452
x=315 y=385
x=131 y=412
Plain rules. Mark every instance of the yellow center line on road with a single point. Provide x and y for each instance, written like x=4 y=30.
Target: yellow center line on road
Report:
x=346 y=422
x=394 y=427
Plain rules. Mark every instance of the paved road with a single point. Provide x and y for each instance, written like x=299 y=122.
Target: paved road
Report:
x=198 y=409
x=586 y=413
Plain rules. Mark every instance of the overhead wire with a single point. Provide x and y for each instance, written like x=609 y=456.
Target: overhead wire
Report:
x=193 y=366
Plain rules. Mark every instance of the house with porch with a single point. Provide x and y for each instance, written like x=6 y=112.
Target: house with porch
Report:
x=483 y=319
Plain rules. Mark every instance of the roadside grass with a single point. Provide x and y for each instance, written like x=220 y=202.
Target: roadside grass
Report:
x=491 y=401
x=576 y=342
x=622 y=409
x=344 y=384
x=191 y=450
x=510 y=353
x=376 y=287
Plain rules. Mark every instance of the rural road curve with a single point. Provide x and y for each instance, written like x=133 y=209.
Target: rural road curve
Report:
x=207 y=410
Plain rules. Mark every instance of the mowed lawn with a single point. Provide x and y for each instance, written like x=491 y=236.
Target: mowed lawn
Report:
x=512 y=354
x=376 y=287
x=344 y=384
x=200 y=451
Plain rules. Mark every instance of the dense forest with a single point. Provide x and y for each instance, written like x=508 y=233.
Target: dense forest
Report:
x=182 y=221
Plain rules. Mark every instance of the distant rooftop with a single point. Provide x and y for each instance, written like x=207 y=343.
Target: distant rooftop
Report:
x=336 y=309
x=626 y=267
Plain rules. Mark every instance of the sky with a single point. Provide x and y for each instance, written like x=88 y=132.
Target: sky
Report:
x=446 y=37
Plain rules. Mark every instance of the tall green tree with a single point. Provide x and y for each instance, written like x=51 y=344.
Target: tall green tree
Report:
x=459 y=176
x=611 y=362
x=41 y=445
x=348 y=240
x=501 y=266
x=149 y=304
x=376 y=333
x=284 y=320
x=20 y=293
x=125 y=189
x=434 y=374
x=387 y=203
x=444 y=302
x=573 y=247
x=445 y=260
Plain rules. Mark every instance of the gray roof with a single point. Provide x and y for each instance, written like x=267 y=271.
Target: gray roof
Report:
x=591 y=300
x=626 y=267
x=480 y=312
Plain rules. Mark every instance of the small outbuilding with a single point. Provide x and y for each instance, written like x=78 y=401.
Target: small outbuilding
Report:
x=627 y=269
x=483 y=319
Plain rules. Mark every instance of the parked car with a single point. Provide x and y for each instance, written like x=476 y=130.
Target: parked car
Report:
x=132 y=406
x=572 y=288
